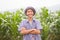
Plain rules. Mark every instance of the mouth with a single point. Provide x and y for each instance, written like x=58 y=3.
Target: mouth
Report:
x=30 y=14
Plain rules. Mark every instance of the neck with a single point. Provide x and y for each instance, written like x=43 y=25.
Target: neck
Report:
x=30 y=19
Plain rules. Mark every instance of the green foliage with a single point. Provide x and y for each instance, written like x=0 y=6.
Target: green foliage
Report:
x=50 y=22
x=9 y=25
x=44 y=21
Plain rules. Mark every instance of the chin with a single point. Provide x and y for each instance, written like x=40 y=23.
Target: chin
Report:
x=30 y=16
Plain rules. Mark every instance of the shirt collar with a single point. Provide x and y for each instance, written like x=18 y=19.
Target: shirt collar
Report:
x=32 y=21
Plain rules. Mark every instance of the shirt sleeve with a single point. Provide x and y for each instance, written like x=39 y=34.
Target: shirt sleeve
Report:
x=21 y=25
x=38 y=24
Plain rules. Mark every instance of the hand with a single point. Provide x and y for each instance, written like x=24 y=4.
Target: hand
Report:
x=33 y=29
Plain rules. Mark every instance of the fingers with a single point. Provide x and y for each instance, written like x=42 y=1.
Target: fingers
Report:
x=33 y=29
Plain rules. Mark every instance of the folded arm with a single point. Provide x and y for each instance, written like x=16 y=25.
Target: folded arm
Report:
x=24 y=31
x=31 y=31
x=35 y=31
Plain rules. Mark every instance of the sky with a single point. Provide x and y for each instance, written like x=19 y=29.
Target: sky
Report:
x=17 y=4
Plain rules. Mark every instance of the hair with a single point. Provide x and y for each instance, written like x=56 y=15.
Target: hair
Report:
x=34 y=11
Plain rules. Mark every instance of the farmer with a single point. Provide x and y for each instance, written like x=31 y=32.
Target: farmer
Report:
x=30 y=28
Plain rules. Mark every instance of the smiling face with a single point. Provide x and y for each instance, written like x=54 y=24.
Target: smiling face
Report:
x=30 y=13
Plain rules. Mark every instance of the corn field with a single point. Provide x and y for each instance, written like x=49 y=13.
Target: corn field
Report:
x=9 y=23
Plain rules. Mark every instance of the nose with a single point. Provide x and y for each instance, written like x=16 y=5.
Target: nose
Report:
x=30 y=12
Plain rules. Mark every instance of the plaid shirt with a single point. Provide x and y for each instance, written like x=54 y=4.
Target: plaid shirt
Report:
x=35 y=25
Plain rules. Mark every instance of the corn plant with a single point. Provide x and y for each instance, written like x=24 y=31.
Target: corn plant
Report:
x=9 y=22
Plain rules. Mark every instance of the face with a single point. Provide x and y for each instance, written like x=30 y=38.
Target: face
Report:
x=30 y=13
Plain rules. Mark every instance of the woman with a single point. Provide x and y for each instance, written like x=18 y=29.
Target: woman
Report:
x=30 y=28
